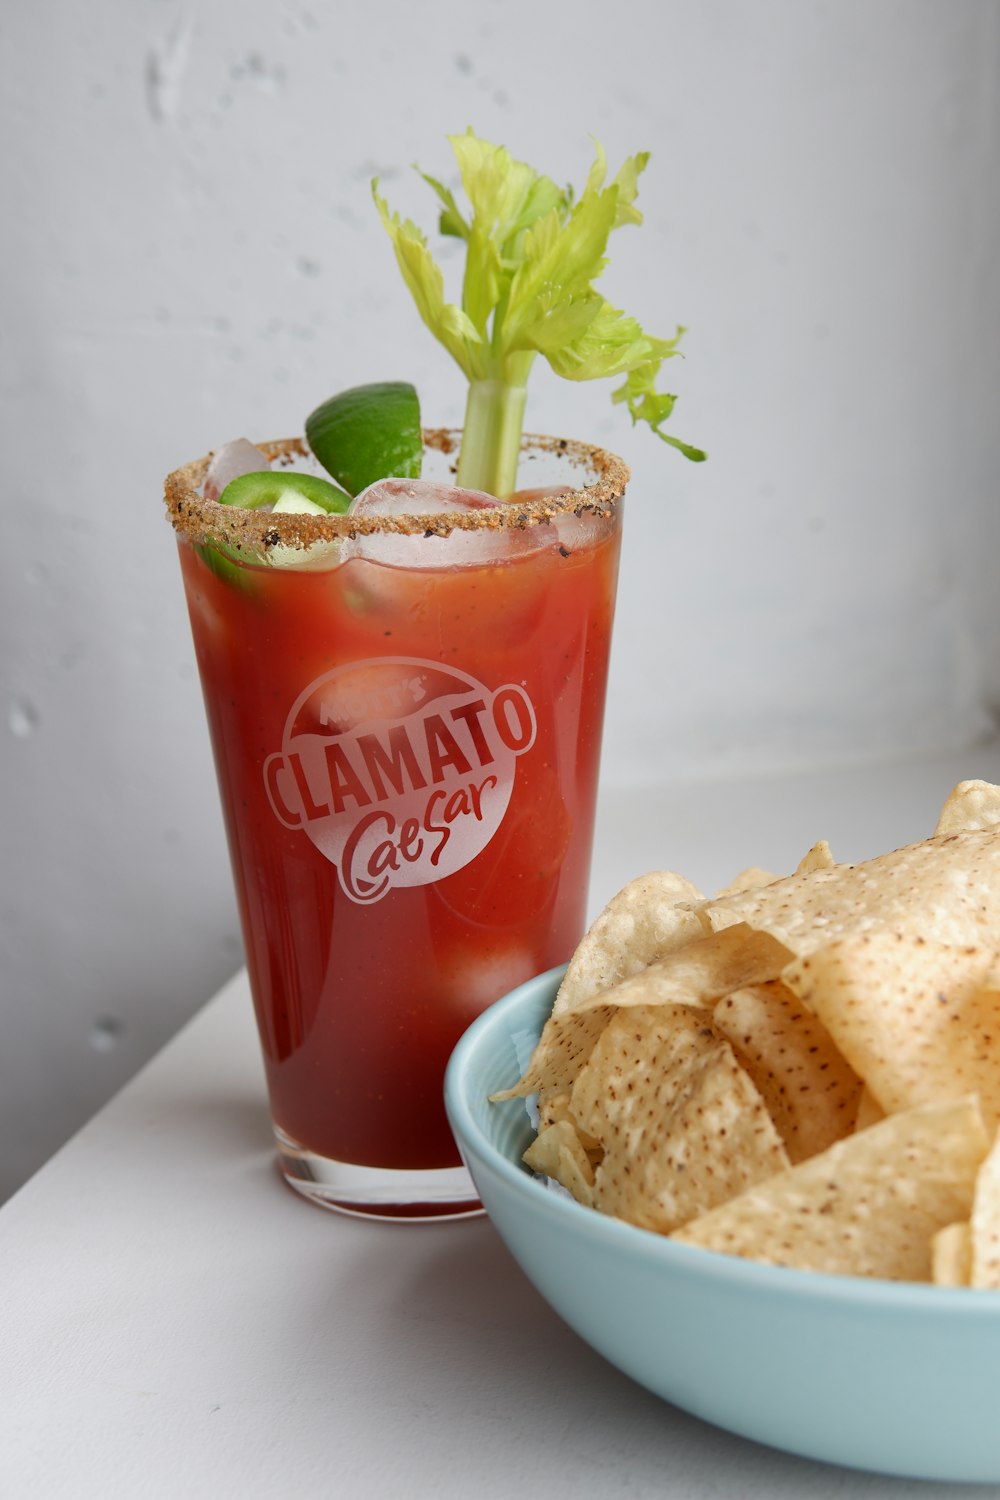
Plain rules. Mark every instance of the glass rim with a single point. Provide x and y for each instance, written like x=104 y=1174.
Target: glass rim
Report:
x=202 y=520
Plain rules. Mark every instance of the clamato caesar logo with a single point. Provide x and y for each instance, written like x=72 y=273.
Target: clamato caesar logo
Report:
x=399 y=770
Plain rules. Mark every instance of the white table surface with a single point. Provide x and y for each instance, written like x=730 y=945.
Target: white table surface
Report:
x=177 y=1323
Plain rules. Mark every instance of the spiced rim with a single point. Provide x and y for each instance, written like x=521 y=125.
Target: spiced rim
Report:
x=205 y=520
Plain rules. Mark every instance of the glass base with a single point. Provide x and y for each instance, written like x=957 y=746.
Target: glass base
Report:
x=375 y=1192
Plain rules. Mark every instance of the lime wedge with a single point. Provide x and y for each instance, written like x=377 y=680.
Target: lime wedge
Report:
x=273 y=486
x=369 y=432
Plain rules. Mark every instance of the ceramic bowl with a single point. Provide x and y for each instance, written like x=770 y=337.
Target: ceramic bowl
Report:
x=892 y=1377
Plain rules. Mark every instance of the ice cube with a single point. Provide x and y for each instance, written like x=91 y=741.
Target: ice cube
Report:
x=475 y=979
x=424 y=497
x=580 y=531
x=573 y=530
x=418 y=497
x=229 y=462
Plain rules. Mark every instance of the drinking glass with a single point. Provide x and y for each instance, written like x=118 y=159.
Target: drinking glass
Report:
x=405 y=714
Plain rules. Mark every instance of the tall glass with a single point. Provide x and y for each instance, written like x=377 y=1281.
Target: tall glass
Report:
x=406 y=722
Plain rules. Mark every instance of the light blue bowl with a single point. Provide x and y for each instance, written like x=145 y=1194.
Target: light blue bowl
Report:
x=876 y=1375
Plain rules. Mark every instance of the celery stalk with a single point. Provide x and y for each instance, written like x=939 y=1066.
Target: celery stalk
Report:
x=533 y=252
x=491 y=437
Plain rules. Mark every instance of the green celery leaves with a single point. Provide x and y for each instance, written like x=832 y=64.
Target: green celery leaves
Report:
x=533 y=252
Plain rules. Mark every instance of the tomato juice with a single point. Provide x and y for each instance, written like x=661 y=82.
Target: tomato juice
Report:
x=408 y=761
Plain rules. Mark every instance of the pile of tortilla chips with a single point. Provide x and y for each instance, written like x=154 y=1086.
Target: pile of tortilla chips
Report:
x=803 y=1071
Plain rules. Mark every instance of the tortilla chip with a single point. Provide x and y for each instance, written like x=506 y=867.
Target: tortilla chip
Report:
x=919 y=1021
x=803 y=1070
x=818 y=858
x=951 y=1256
x=695 y=975
x=648 y=919
x=563 y=1048
x=972 y=807
x=810 y=1091
x=553 y=1108
x=945 y=889
x=558 y=1152
x=870 y=1110
x=701 y=972
x=985 y=1227
x=681 y=1126
x=869 y=1206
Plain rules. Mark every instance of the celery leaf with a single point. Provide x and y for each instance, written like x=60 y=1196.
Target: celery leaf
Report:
x=533 y=253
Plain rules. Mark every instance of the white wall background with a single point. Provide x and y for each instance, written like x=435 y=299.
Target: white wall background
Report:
x=190 y=253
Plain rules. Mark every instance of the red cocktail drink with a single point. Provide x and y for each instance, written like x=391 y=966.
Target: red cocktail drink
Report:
x=407 y=744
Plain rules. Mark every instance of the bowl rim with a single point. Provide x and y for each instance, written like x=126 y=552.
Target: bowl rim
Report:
x=711 y=1266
